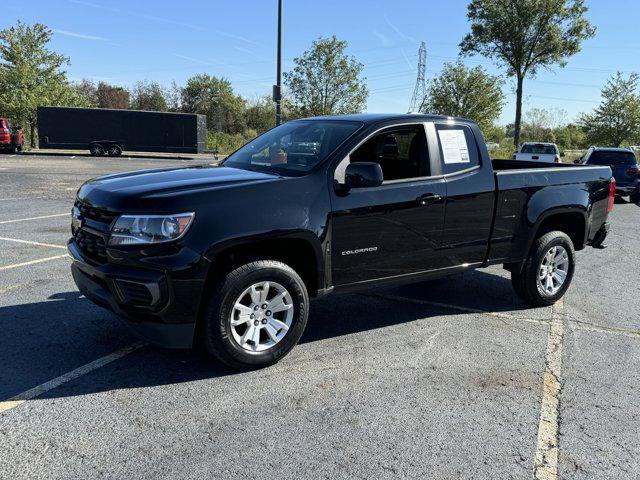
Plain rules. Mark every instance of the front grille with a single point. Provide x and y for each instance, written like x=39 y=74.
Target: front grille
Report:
x=134 y=293
x=95 y=214
x=92 y=246
x=96 y=226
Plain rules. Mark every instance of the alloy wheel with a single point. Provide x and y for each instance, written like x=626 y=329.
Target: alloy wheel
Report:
x=553 y=270
x=261 y=316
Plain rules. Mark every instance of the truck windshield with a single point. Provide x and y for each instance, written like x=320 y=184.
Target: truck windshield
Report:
x=539 y=149
x=293 y=148
x=612 y=158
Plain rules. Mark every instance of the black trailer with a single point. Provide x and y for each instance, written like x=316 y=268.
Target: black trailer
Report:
x=109 y=132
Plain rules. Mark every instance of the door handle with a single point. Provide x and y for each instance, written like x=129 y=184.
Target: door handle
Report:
x=429 y=199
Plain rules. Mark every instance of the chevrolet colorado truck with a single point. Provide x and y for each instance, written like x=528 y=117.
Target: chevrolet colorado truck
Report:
x=229 y=255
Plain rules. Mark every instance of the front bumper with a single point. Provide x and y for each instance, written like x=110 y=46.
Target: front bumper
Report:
x=149 y=308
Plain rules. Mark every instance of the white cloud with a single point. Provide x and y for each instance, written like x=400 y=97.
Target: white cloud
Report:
x=83 y=36
x=386 y=41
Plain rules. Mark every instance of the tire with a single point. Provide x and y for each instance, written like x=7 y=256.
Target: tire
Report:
x=635 y=198
x=526 y=282
x=14 y=148
x=224 y=340
x=114 y=150
x=96 y=150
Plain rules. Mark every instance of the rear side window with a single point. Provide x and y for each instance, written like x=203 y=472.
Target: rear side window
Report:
x=612 y=158
x=458 y=148
x=539 y=149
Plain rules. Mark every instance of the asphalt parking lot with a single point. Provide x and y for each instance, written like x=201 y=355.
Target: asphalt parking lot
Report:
x=450 y=379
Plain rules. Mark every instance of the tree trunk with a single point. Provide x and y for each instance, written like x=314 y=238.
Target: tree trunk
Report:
x=32 y=133
x=518 y=123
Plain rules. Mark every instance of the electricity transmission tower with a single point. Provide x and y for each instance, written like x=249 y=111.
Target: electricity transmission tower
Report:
x=420 y=90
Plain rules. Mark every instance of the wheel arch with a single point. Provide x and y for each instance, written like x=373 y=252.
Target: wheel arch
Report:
x=301 y=250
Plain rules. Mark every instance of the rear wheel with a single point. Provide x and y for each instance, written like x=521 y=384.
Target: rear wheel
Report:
x=256 y=314
x=96 y=150
x=635 y=198
x=114 y=150
x=547 y=272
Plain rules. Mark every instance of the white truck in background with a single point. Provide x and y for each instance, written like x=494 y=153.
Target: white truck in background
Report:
x=538 y=152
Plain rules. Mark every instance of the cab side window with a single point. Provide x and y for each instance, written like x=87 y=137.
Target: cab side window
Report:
x=458 y=148
x=401 y=152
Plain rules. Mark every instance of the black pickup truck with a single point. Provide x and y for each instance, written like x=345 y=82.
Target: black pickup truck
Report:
x=229 y=255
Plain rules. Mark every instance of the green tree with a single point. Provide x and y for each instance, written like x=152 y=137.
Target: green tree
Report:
x=326 y=81
x=539 y=124
x=617 y=119
x=493 y=133
x=149 y=96
x=110 y=96
x=215 y=98
x=524 y=35
x=103 y=95
x=260 y=114
x=31 y=75
x=471 y=93
x=570 y=137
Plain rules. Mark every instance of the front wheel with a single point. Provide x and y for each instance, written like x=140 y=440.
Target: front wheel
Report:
x=256 y=314
x=547 y=272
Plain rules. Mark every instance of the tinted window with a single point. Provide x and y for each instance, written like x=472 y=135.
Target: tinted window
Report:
x=294 y=147
x=458 y=148
x=539 y=149
x=612 y=158
x=401 y=152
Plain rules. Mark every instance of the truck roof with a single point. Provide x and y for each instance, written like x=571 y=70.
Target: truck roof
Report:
x=611 y=149
x=370 y=118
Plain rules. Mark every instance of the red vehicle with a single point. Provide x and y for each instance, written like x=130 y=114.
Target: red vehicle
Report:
x=10 y=136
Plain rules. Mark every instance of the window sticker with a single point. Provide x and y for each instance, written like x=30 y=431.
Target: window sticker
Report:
x=454 y=146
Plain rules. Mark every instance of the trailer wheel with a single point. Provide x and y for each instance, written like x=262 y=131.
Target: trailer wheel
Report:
x=114 y=150
x=96 y=150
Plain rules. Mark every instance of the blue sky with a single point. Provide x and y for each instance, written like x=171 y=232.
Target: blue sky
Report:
x=124 y=41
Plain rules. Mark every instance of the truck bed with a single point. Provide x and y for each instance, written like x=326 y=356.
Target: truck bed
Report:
x=523 y=191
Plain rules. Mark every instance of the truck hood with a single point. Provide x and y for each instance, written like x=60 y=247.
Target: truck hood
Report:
x=161 y=187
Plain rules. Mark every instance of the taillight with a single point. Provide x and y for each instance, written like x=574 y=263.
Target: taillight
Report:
x=557 y=159
x=612 y=194
x=634 y=171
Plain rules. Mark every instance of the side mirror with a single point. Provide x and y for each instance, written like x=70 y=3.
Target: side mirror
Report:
x=363 y=175
x=579 y=160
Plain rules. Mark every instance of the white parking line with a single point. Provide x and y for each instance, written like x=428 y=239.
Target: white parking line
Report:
x=62 y=379
x=545 y=465
x=31 y=262
x=35 y=218
x=29 y=242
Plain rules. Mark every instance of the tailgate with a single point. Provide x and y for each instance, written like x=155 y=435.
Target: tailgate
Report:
x=535 y=157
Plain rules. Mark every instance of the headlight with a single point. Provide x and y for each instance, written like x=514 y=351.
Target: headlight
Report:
x=145 y=229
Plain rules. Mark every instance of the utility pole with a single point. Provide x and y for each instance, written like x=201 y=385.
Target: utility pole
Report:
x=277 y=88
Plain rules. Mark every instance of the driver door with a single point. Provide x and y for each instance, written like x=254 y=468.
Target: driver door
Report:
x=393 y=229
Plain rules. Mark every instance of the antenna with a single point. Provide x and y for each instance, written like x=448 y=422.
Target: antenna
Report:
x=420 y=90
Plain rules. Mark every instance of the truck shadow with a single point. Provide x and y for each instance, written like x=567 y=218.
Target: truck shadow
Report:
x=44 y=340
